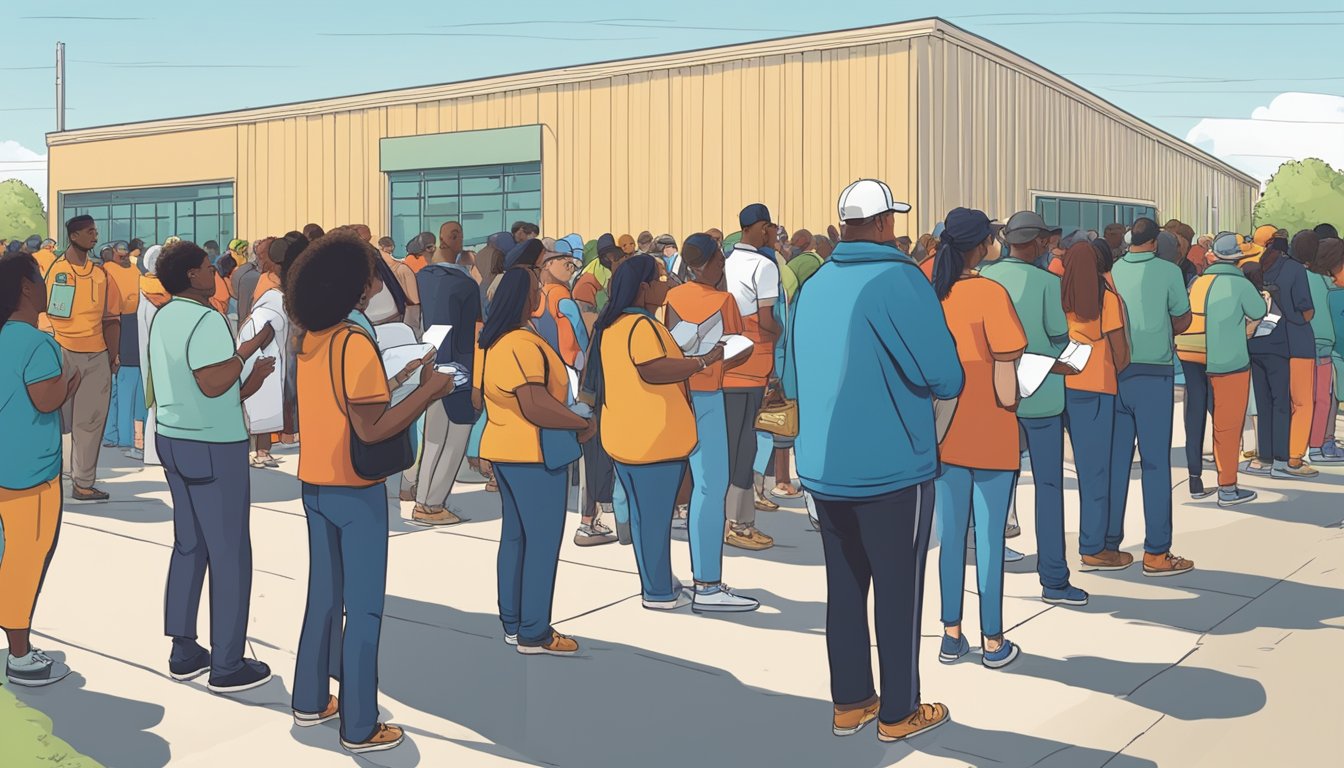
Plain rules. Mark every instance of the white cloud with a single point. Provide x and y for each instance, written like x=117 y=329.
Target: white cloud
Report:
x=1294 y=126
x=19 y=162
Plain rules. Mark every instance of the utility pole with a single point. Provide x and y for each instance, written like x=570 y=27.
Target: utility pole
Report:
x=60 y=87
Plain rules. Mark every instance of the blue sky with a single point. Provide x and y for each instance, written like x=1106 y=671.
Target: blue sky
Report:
x=1171 y=63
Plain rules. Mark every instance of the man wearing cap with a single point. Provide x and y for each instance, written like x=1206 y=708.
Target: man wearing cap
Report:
x=752 y=278
x=871 y=353
x=84 y=308
x=1214 y=348
x=1035 y=294
x=1158 y=308
x=127 y=402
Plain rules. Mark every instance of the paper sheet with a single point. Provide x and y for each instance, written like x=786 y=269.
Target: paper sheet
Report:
x=735 y=345
x=396 y=358
x=1076 y=355
x=436 y=334
x=1031 y=372
x=1267 y=325
x=699 y=339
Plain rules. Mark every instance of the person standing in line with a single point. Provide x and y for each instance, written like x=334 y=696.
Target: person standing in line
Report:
x=265 y=410
x=126 y=405
x=84 y=308
x=152 y=298
x=387 y=246
x=343 y=398
x=244 y=279
x=1036 y=297
x=1328 y=264
x=526 y=442
x=1097 y=319
x=867 y=453
x=1158 y=308
x=639 y=375
x=979 y=453
x=1272 y=358
x=1305 y=249
x=195 y=379
x=418 y=252
x=696 y=301
x=752 y=277
x=450 y=297
x=33 y=387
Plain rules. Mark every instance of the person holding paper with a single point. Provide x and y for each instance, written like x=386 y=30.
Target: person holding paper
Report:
x=979 y=453
x=1035 y=293
x=265 y=410
x=1096 y=321
x=696 y=302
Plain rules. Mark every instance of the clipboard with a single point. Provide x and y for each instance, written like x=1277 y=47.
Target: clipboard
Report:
x=61 y=303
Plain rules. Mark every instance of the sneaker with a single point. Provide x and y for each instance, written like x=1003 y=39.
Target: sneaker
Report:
x=384 y=737
x=1197 y=489
x=135 y=454
x=953 y=648
x=847 y=722
x=35 y=669
x=785 y=491
x=1002 y=657
x=1011 y=555
x=434 y=516
x=1287 y=471
x=601 y=527
x=1332 y=450
x=763 y=504
x=558 y=645
x=254 y=674
x=719 y=598
x=1165 y=564
x=510 y=639
x=589 y=536
x=680 y=601
x=87 y=494
x=191 y=667
x=1257 y=467
x=1107 y=560
x=680 y=523
x=748 y=538
x=1319 y=456
x=1069 y=595
x=309 y=719
x=1231 y=497
x=109 y=444
x=926 y=717
x=1012 y=531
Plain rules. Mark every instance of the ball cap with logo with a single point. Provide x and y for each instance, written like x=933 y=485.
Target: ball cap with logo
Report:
x=867 y=198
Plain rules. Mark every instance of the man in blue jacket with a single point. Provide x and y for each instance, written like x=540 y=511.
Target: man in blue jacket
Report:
x=871 y=353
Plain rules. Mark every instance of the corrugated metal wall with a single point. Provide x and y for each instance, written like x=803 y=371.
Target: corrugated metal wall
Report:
x=989 y=134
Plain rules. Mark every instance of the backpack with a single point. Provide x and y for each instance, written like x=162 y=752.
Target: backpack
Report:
x=1192 y=344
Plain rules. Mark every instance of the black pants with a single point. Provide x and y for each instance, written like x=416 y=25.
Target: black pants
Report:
x=1273 y=404
x=880 y=541
x=599 y=473
x=1198 y=408
x=740 y=407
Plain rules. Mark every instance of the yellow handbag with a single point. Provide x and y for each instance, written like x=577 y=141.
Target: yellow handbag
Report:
x=778 y=416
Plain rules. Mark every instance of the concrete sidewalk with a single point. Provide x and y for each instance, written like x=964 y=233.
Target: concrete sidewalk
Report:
x=1234 y=664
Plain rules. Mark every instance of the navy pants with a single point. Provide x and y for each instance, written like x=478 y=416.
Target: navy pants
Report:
x=881 y=543
x=1143 y=412
x=533 y=499
x=652 y=493
x=347 y=574
x=1045 y=443
x=1270 y=380
x=1091 y=431
x=212 y=513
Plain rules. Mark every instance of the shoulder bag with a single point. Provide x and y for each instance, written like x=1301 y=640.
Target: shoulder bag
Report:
x=371 y=461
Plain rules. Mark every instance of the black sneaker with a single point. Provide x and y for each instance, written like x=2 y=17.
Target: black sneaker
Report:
x=1197 y=489
x=190 y=668
x=254 y=674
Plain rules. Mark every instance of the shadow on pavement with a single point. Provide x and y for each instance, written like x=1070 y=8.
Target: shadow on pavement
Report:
x=112 y=730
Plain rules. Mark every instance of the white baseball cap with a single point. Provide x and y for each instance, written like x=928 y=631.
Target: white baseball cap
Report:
x=866 y=198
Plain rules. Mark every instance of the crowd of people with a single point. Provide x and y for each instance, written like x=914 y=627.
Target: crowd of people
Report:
x=677 y=385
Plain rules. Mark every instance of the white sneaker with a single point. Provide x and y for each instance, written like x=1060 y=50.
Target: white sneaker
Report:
x=35 y=669
x=510 y=639
x=1011 y=555
x=680 y=601
x=134 y=453
x=719 y=598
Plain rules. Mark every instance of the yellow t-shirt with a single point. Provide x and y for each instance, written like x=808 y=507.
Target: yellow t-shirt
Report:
x=95 y=301
x=324 y=455
x=517 y=358
x=642 y=423
x=126 y=281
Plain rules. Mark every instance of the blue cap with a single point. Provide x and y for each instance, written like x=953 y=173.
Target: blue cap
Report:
x=503 y=241
x=756 y=212
x=525 y=254
x=699 y=248
x=564 y=248
x=33 y=243
x=607 y=243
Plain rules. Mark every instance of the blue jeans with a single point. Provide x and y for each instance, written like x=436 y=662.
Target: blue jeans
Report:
x=652 y=492
x=1045 y=442
x=347 y=573
x=533 y=500
x=709 y=471
x=1143 y=410
x=1091 y=431
x=474 y=442
x=765 y=450
x=959 y=494
x=125 y=407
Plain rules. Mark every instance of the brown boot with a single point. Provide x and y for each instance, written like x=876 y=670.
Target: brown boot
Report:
x=434 y=516
x=1165 y=564
x=1107 y=560
x=925 y=717
x=851 y=720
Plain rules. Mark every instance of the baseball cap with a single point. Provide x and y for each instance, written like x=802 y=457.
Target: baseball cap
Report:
x=1023 y=227
x=665 y=241
x=237 y=245
x=1264 y=233
x=1249 y=249
x=867 y=198
x=756 y=212
x=1226 y=247
x=524 y=254
x=699 y=249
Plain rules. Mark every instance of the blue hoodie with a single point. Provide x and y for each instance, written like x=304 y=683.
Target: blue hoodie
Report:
x=870 y=352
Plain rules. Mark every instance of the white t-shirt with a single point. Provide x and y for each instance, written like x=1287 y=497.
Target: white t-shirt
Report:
x=752 y=278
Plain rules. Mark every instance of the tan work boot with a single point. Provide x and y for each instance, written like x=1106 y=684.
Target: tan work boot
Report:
x=1165 y=564
x=747 y=537
x=433 y=516
x=925 y=717
x=558 y=645
x=384 y=737
x=851 y=720
x=1107 y=560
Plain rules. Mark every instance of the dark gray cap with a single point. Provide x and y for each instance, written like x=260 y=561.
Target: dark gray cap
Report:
x=1024 y=226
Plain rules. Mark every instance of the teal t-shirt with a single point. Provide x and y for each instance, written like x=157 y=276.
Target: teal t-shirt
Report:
x=1232 y=300
x=185 y=337
x=1036 y=297
x=1154 y=293
x=30 y=454
x=1322 y=326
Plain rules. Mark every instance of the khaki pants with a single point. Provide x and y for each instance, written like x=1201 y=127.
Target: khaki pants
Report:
x=441 y=458
x=84 y=415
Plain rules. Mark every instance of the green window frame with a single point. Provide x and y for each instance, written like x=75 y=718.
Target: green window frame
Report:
x=1090 y=213
x=485 y=199
x=197 y=212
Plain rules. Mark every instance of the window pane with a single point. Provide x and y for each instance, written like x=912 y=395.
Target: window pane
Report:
x=1108 y=214
x=483 y=203
x=524 y=200
x=1049 y=210
x=207 y=206
x=480 y=185
x=441 y=187
x=439 y=207
x=1087 y=218
x=121 y=211
x=1068 y=215
x=528 y=183
x=405 y=189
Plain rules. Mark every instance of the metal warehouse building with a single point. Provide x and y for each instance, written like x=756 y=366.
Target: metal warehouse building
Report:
x=674 y=143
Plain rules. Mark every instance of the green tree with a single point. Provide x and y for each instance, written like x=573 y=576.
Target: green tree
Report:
x=21 y=212
x=1302 y=194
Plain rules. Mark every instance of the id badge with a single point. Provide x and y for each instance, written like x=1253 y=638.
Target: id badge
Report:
x=62 y=301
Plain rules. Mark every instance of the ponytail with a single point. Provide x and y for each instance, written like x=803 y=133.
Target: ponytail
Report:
x=15 y=269
x=948 y=264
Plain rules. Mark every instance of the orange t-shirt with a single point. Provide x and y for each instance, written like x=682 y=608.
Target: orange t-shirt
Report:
x=696 y=303
x=551 y=296
x=586 y=289
x=1099 y=374
x=220 y=301
x=126 y=282
x=926 y=266
x=983 y=322
x=265 y=282
x=324 y=454
x=1056 y=267
x=415 y=262
x=96 y=300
